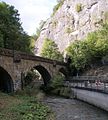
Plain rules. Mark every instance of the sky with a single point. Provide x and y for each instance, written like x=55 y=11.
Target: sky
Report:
x=32 y=12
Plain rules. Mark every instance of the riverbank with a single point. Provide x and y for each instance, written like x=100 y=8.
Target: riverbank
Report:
x=20 y=107
x=23 y=107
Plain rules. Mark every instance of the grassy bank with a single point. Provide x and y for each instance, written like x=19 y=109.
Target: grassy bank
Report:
x=23 y=107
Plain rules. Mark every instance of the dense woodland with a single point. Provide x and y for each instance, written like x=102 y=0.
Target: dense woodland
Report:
x=91 y=50
x=12 y=35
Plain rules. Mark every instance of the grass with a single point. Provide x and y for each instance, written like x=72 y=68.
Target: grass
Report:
x=23 y=107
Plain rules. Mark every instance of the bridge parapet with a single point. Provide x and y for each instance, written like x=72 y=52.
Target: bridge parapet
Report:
x=17 y=55
x=6 y=52
x=38 y=58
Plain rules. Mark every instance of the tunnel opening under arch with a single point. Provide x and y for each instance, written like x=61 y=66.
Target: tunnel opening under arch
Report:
x=63 y=72
x=6 y=83
x=44 y=73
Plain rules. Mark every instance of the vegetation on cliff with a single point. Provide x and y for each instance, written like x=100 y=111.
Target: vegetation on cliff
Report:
x=90 y=50
x=50 y=50
x=56 y=7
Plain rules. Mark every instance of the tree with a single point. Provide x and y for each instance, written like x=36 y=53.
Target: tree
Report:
x=77 y=55
x=50 y=50
x=12 y=35
x=1 y=40
x=86 y=52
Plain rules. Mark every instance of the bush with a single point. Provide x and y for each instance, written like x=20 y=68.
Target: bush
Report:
x=23 y=108
x=57 y=81
x=65 y=92
x=31 y=110
x=69 y=30
x=92 y=49
x=30 y=77
x=56 y=87
x=79 y=7
x=50 y=50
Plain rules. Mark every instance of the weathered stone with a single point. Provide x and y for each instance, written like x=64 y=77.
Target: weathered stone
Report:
x=46 y=67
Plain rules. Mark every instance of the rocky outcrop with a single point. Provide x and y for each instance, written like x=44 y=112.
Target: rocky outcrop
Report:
x=73 y=21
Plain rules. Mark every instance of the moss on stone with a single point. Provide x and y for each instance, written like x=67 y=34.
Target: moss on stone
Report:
x=54 y=23
x=68 y=30
x=78 y=7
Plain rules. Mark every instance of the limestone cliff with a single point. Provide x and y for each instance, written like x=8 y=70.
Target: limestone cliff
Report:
x=73 y=21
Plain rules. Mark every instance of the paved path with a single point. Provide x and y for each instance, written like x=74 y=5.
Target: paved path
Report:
x=71 y=109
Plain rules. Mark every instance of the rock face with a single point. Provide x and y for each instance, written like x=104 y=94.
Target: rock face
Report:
x=73 y=21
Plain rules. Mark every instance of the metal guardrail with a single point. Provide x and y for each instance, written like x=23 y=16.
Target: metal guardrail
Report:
x=93 y=83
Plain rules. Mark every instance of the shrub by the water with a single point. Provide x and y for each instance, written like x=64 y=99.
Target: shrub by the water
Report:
x=56 y=87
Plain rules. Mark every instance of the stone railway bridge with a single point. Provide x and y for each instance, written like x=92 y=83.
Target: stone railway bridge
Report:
x=14 y=65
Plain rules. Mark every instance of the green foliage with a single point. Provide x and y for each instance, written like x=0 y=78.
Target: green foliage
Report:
x=77 y=56
x=68 y=30
x=65 y=92
x=50 y=50
x=33 y=38
x=93 y=48
x=56 y=87
x=31 y=111
x=29 y=78
x=12 y=35
x=1 y=40
x=56 y=7
x=31 y=75
x=57 y=81
x=79 y=7
x=23 y=108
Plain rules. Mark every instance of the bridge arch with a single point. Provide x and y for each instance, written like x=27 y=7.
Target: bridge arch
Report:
x=44 y=73
x=6 y=82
